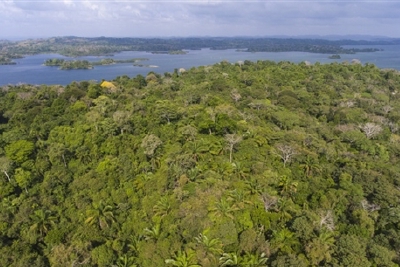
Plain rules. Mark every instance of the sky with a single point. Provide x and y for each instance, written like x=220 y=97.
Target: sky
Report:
x=161 y=18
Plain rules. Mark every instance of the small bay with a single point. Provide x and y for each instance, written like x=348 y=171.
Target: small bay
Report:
x=31 y=70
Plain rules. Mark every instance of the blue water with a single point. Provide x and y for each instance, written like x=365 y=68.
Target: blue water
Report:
x=31 y=70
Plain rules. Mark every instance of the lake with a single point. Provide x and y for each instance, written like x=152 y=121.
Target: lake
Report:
x=31 y=70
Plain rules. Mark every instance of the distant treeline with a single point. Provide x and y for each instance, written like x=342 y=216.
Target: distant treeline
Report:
x=80 y=46
x=84 y=64
x=178 y=52
x=7 y=60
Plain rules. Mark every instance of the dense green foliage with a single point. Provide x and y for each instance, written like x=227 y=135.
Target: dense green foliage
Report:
x=336 y=56
x=76 y=64
x=54 y=62
x=84 y=64
x=110 y=61
x=246 y=164
x=177 y=52
x=80 y=46
x=6 y=60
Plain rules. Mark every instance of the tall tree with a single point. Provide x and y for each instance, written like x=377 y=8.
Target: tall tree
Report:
x=232 y=140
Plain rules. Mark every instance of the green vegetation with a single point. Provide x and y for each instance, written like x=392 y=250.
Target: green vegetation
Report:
x=68 y=64
x=80 y=46
x=177 y=52
x=110 y=61
x=246 y=164
x=54 y=62
x=76 y=64
x=4 y=60
x=84 y=64
x=336 y=56
x=145 y=65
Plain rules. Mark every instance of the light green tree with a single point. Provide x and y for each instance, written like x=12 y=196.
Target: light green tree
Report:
x=5 y=165
x=20 y=150
x=23 y=178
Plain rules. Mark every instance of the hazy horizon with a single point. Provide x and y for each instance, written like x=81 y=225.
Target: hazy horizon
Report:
x=322 y=37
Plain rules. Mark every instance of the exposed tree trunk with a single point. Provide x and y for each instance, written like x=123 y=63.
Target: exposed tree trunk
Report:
x=8 y=177
x=65 y=163
x=230 y=153
x=232 y=140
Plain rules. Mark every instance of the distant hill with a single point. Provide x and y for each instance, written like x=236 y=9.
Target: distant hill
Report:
x=79 y=46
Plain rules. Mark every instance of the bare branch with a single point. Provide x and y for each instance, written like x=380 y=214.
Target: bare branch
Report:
x=235 y=95
x=285 y=152
x=370 y=207
x=269 y=201
x=232 y=140
x=387 y=109
x=327 y=220
x=371 y=129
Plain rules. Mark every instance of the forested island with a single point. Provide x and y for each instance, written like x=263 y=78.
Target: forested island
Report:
x=336 y=56
x=84 y=64
x=69 y=64
x=4 y=60
x=80 y=46
x=177 y=52
x=244 y=164
x=145 y=65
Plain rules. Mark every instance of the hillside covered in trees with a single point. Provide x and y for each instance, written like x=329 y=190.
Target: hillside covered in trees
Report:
x=82 y=46
x=244 y=164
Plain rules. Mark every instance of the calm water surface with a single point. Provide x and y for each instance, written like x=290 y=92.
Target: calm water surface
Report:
x=32 y=71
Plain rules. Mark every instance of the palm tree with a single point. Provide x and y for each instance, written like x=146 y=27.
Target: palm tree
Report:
x=223 y=208
x=212 y=246
x=254 y=260
x=133 y=244
x=309 y=166
x=248 y=260
x=193 y=173
x=126 y=261
x=240 y=170
x=101 y=214
x=287 y=186
x=197 y=148
x=229 y=259
x=284 y=241
x=239 y=198
x=183 y=259
x=254 y=186
x=286 y=208
x=320 y=248
x=141 y=180
x=42 y=221
x=162 y=207
x=153 y=233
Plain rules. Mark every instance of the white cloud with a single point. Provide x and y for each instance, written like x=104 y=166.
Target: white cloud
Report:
x=196 y=17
